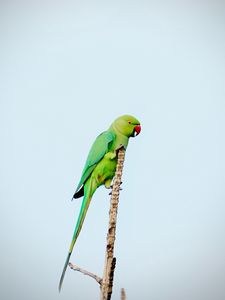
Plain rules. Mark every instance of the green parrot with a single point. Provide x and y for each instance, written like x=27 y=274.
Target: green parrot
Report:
x=100 y=168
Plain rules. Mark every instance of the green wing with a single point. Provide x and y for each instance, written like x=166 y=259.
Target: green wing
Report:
x=97 y=152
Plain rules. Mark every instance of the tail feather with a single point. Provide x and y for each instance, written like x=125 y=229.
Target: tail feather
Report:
x=64 y=271
x=88 y=192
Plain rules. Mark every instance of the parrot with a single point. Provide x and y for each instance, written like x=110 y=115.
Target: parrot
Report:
x=100 y=168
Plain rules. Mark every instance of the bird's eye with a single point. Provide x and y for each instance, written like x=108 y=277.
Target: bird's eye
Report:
x=129 y=122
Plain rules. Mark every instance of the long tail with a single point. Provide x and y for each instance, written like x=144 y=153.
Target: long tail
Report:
x=88 y=192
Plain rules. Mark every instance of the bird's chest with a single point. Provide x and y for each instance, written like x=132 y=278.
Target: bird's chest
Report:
x=106 y=168
x=109 y=165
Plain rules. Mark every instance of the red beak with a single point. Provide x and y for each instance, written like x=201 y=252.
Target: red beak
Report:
x=137 y=129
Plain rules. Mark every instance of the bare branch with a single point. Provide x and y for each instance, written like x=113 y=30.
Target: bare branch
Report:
x=111 y=277
x=107 y=280
x=76 y=268
x=123 y=294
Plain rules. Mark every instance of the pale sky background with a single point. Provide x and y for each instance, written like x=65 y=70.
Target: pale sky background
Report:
x=68 y=69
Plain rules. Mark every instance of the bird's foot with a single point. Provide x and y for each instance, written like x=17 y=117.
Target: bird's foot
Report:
x=111 y=187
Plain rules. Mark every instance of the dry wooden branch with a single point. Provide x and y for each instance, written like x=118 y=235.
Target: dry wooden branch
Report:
x=123 y=294
x=107 y=280
x=111 y=277
x=76 y=268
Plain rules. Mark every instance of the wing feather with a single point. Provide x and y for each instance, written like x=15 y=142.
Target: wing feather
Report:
x=98 y=150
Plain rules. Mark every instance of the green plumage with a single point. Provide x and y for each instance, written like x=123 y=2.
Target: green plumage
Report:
x=100 y=168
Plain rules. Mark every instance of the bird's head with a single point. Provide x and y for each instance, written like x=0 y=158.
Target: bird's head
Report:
x=127 y=125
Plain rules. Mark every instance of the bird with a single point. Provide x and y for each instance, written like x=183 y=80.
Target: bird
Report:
x=100 y=168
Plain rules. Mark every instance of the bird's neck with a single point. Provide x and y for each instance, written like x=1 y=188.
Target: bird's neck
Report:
x=120 y=139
